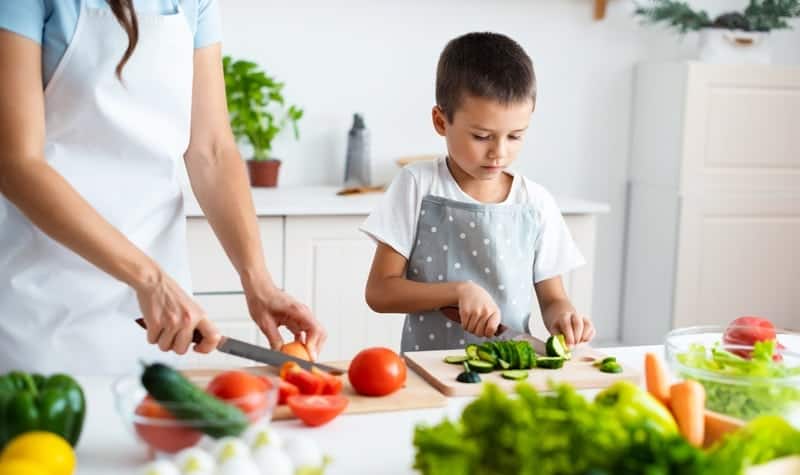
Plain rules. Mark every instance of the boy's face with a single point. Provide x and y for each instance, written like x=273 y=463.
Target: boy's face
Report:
x=485 y=135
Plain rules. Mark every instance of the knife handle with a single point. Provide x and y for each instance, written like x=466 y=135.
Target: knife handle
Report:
x=197 y=337
x=451 y=312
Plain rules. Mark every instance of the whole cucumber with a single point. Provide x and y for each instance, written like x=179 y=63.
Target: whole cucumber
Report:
x=188 y=402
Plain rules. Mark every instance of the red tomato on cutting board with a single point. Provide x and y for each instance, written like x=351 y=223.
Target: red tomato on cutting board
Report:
x=377 y=372
x=317 y=410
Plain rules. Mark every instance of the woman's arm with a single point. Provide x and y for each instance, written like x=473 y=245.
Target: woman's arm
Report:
x=53 y=205
x=219 y=181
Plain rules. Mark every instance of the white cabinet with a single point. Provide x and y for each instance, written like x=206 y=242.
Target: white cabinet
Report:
x=714 y=200
x=329 y=262
x=323 y=260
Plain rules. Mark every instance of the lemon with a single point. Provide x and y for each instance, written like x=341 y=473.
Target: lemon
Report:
x=21 y=467
x=48 y=450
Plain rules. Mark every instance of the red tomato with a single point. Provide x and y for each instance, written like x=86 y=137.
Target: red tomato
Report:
x=317 y=410
x=746 y=331
x=246 y=391
x=333 y=384
x=306 y=382
x=377 y=372
x=285 y=391
x=166 y=438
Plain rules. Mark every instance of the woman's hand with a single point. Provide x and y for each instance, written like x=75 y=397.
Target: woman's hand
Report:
x=271 y=308
x=477 y=309
x=172 y=316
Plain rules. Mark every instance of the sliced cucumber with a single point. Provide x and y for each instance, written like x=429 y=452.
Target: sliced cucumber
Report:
x=468 y=376
x=515 y=374
x=456 y=359
x=610 y=366
x=549 y=362
x=556 y=346
x=487 y=356
x=480 y=366
x=472 y=351
x=503 y=364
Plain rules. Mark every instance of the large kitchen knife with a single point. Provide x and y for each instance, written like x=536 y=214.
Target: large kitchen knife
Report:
x=253 y=352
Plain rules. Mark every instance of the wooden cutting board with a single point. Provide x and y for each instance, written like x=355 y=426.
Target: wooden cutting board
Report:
x=416 y=394
x=578 y=371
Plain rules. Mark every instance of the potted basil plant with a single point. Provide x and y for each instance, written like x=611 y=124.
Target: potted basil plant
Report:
x=258 y=113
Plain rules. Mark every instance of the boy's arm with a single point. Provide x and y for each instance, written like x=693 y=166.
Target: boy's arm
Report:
x=559 y=315
x=388 y=290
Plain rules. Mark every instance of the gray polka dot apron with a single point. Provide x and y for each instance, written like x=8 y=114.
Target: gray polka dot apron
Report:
x=490 y=244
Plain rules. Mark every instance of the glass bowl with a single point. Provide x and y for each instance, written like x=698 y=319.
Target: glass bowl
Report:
x=153 y=424
x=738 y=382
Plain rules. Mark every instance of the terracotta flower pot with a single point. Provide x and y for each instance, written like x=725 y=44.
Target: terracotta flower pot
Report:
x=263 y=173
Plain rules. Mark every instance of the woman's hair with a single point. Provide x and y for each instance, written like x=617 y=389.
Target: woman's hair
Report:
x=126 y=15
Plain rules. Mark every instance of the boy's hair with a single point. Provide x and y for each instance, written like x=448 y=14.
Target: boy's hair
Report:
x=486 y=65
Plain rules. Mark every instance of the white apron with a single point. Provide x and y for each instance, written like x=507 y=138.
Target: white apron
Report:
x=120 y=147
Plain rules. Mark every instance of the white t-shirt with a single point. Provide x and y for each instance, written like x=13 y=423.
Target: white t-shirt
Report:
x=394 y=221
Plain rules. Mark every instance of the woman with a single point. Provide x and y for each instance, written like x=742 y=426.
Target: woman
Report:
x=99 y=100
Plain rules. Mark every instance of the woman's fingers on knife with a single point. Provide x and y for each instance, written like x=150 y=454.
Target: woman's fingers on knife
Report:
x=210 y=336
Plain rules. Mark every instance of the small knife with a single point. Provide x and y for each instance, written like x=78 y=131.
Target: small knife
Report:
x=253 y=352
x=452 y=314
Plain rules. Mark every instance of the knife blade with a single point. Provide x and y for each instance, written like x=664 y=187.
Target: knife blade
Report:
x=249 y=351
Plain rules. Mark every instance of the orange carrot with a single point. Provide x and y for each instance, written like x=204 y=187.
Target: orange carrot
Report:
x=657 y=378
x=687 y=401
x=718 y=425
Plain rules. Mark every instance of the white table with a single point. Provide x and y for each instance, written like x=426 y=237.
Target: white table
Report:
x=359 y=444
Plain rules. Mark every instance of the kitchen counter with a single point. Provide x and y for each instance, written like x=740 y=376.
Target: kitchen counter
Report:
x=323 y=201
x=359 y=444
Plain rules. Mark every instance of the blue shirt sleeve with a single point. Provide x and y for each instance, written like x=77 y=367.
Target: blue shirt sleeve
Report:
x=25 y=18
x=209 y=25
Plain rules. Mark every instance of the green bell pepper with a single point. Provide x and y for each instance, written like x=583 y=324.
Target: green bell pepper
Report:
x=635 y=407
x=34 y=402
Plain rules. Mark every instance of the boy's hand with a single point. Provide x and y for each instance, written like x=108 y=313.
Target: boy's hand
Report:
x=478 y=312
x=576 y=328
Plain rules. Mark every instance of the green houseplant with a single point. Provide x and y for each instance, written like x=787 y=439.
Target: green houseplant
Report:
x=258 y=114
x=734 y=36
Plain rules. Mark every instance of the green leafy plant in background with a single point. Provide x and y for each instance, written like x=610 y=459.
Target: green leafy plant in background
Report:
x=760 y=15
x=257 y=108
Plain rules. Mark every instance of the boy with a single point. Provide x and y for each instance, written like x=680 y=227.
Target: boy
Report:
x=464 y=231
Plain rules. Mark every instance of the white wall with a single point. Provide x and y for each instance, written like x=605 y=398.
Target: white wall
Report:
x=379 y=57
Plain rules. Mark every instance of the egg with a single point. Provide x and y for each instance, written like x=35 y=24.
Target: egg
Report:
x=233 y=458
x=260 y=435
x=195 y=461
x=272 y=460
x=160 y=467
x=303 y=452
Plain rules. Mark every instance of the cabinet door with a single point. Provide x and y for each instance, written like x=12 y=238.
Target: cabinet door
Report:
x=738 y=255
x=327 y=264
x=577 y=283
x=212 y=271
x=741 y=128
